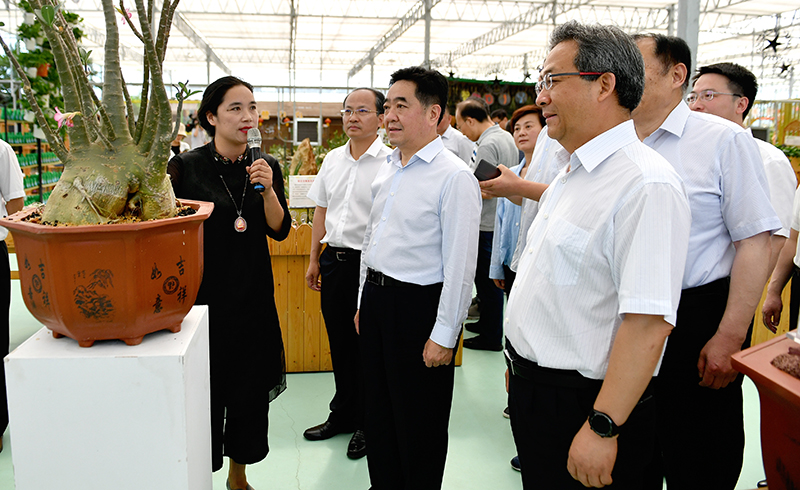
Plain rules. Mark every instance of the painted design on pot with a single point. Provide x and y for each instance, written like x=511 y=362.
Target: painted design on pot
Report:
x=90 y=302
x=37 y=285
x=171 y=285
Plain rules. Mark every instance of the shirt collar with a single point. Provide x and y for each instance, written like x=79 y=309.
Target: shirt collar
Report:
x=596 y=150
x=676 y=121
x=373 y=150
x=427 y=153
x=225 y=160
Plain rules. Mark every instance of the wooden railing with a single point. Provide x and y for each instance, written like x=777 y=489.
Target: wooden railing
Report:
x=304 y=335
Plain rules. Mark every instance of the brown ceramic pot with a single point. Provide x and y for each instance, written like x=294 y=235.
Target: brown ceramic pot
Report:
x=119 y=281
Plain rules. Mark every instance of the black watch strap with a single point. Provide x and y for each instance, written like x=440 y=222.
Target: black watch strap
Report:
x=602 y=424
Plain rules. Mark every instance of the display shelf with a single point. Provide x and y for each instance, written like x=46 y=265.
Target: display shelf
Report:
x=34 y=156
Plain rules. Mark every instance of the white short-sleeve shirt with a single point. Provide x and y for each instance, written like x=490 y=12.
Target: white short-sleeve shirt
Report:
x=610 y=238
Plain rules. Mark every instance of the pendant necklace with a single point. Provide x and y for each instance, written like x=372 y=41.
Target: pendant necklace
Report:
x=239 y=224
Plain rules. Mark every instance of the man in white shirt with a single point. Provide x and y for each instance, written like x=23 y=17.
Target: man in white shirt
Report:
x=12 y=199
x=453 y=139
x=598 y=282
x=699 y=395
x=417 y=266
x=728 y=90
x=341 y=191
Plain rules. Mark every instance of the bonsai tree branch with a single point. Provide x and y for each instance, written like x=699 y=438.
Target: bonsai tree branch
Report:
x=143 y=104
x=54 y=139
x=160 y=103
x=112 y=82
x=128 y=106
x=135 y=31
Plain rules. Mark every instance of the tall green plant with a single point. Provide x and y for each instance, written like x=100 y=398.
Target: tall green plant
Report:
x=116 y=164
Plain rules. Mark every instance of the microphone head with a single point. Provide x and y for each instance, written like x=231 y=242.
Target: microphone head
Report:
x=253 y=138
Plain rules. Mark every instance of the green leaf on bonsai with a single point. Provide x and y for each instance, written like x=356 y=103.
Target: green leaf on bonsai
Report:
x=47 y=14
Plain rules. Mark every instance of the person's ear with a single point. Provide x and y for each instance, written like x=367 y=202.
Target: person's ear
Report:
x=679 y=74
x=607 y=83
x=741 y=105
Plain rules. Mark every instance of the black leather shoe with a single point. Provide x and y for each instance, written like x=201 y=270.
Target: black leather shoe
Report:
x=480 y=343
x=357 y=448
x=322 y=431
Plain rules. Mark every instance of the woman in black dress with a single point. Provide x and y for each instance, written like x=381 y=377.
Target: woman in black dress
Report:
x=246 y=351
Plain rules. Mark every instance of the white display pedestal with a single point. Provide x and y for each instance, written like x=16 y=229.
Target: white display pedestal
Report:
x=112 y=415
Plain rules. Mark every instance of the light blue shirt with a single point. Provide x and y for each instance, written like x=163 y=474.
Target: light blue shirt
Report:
x=506 y=231
x=721 y=168
x=423 y=229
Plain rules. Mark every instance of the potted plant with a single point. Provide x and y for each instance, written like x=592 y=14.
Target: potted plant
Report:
x=114 y=173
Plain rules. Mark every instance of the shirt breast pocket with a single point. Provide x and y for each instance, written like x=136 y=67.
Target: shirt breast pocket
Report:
x=562 y=253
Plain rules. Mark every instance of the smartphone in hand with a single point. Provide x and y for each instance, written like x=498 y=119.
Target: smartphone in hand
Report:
x=486 y=171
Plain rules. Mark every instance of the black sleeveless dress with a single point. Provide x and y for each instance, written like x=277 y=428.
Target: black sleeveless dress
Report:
x=246 y=349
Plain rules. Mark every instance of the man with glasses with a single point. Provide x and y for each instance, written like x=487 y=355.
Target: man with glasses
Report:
x=341 y=191
x=598 y=282
x=728 y=90
x=699 y=395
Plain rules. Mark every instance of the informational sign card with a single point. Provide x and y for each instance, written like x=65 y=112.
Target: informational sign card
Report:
x=299 y=186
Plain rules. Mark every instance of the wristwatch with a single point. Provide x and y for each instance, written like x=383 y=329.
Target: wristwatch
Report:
x=602 y=425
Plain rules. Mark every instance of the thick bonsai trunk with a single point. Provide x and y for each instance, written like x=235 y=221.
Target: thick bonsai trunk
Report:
x=124 y=185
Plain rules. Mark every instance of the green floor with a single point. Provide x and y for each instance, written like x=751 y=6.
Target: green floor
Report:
x=480 y=438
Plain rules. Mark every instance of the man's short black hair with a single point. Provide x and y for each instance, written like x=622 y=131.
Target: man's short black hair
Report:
x=499 y=114
x=740 y=80
x=380 y=99
x=212 y=99
x=431 y=86
x=670 y=50
x=474 y=107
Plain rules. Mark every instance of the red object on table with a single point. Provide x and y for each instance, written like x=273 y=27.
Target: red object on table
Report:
x=779 y=393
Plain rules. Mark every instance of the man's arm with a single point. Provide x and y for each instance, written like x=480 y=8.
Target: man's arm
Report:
x=748 y=276
x=317 y=234
x=511 y=186
x=460 y=213
x=634 y=357
x=773 y=305
x=15 y=205
x=776 y=244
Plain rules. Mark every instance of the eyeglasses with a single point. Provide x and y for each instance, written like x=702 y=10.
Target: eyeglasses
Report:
x=706 y=96
x=357 y=112
x=546 y=82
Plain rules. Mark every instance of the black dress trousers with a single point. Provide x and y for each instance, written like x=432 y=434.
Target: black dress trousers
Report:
x=5 y=304
x=700 y=430
x=550 y=407
x=407 y=404
x=339 y=268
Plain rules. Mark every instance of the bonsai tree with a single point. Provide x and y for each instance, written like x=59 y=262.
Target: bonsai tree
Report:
x=116 y=164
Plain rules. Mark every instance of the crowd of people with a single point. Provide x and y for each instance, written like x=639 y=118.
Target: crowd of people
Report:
x=632 y=227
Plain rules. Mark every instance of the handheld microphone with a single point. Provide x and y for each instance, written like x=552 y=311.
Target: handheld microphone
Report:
x=254 y=150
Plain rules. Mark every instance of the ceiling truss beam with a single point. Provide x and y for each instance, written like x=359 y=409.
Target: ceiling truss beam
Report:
x=415 y=14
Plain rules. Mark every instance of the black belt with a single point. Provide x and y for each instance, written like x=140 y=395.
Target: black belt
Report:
x=344 y=254
x=380 y=279
x=527 y=369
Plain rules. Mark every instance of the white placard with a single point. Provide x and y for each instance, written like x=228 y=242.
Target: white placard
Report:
x=791 y=140
x=299 y=186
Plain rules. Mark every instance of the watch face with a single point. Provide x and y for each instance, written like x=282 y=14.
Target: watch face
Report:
x=601 y=424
